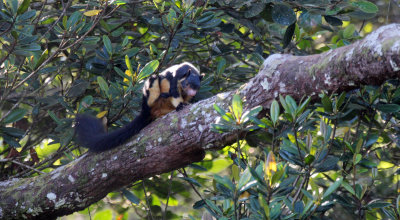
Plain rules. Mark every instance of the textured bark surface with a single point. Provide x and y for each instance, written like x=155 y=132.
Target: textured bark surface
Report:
x=180 y=138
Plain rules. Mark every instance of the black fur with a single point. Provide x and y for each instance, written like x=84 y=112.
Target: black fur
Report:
x=91 y=133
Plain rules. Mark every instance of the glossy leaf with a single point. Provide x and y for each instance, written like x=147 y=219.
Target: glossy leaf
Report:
x=332 y=188
x=388 y=108
x=237 y=107
x=130 y=196
x=244 y=179
x=107 y=44
x=148 y=69
x=274 y=111
x=349 y=31
x=366 y=6
x=15 y=115
x=23 y=7
x=283 y=14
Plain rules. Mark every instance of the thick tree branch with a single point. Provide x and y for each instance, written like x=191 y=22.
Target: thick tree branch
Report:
x=180 y=138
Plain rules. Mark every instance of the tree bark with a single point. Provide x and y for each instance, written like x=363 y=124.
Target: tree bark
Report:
x=181 y=138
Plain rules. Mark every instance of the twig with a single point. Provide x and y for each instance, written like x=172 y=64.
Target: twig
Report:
x=150 y=216
x=22 y=165
x=169 y=194
x=195 y=190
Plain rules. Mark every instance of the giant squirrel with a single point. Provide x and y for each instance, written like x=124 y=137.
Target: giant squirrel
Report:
x=171 y=89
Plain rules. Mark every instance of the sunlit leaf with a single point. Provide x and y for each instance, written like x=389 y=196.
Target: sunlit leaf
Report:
x=148 y=69
x=237 y=106
x=92 y=13
x=270 y=165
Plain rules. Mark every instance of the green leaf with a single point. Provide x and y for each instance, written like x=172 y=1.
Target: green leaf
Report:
x=340 y=101
x=197 y=167
x=326 y=103
x=349 y=31
x=64 y=22
x=334 y=21
x=103 y=215
x=366 y=6
x=357 y=158
x=42 y=58
x=309 y=159
x=192 y=181
x=287 y=38
x=246 y=175
x=224 y=181
x=73 y=19
x=86 y=102
x=347 y=186
x=251 y=114
x=214 y=207
x=359 y=191
x=278 y=175
x=222 y=113
x=210 y=24
x=10 y=141
x=130 y=196
x=376 y=203
x=199 y=204
x=15 y=115
x=171 y=17
x=13 y=132
x=371 y=140
x=26 y=15
x=107 y=44
x=254 y=10
x=274 y=111
x=237 y=107
x=221 y=66
x=54 y=117
x=235 y=172
x=191 y=40
x=283 y=14
x=328 y=164
x=23 y=7
x=129 y=65
x=148 y=69
x=303 y=106
x=284 y=104
x=332 y=187
x=388 y=108
x=13 y=5
x=291 y=104
x=125 y=41
x=103 y=85
x=264 y=204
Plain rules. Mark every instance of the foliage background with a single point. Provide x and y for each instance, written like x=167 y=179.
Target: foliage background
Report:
x=60 y=58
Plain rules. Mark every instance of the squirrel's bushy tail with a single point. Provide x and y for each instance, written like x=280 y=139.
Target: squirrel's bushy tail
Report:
x=91 y=134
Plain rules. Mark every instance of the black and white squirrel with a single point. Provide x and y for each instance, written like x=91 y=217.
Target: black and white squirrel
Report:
x=172 y=89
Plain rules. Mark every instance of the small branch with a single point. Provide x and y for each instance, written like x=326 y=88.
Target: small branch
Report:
x=21 y=164
x=169 y=194
x=150 y=216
